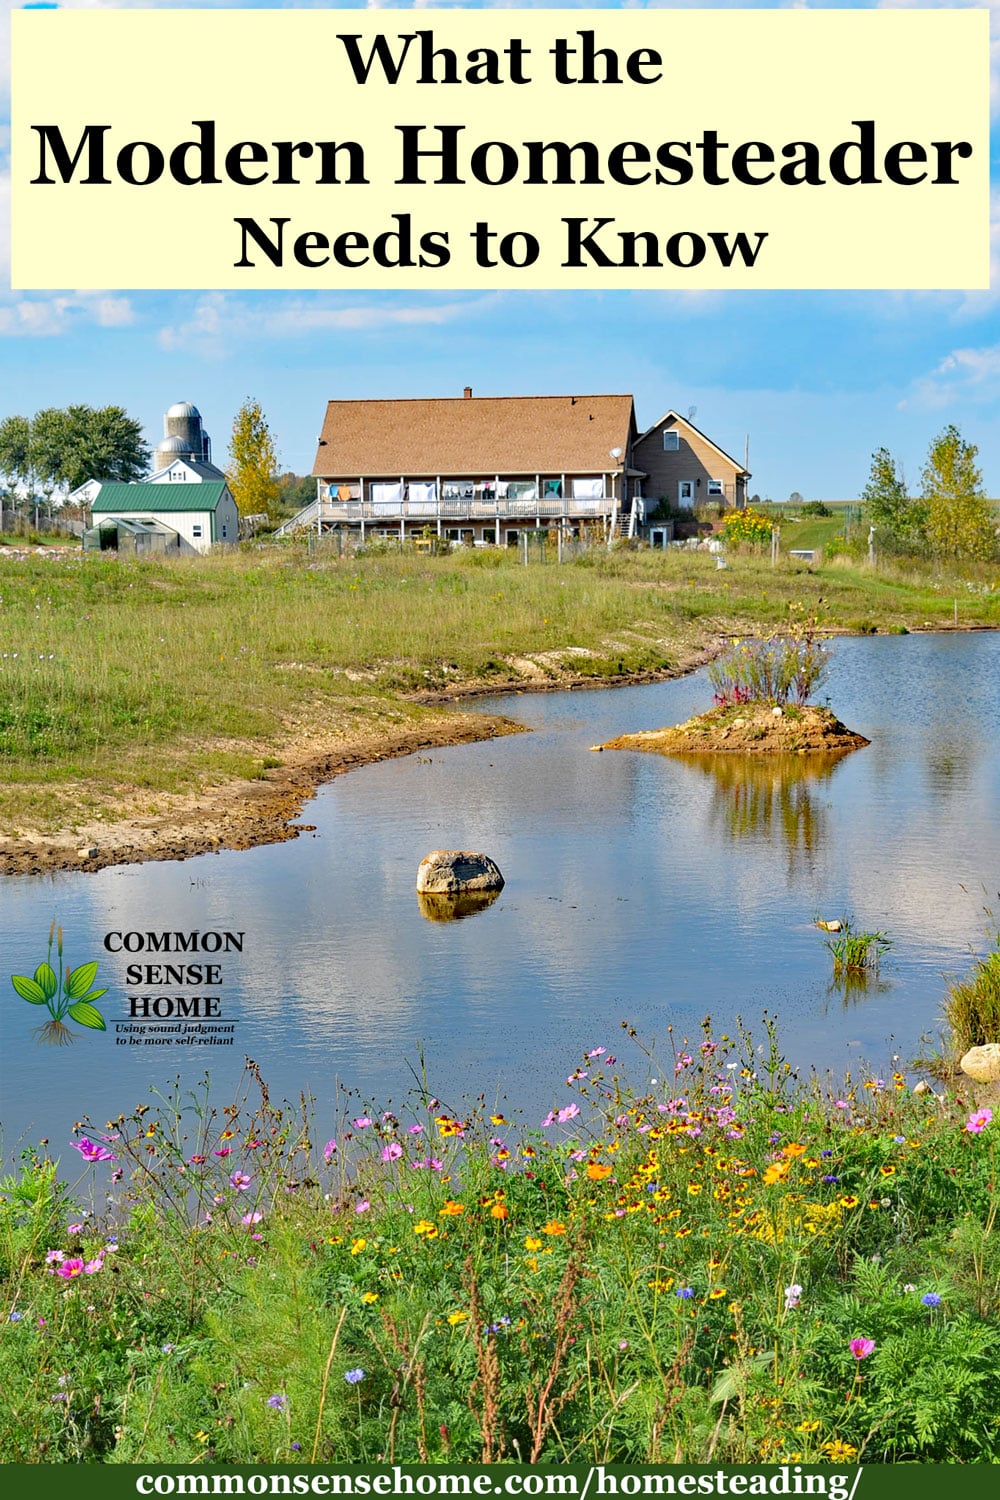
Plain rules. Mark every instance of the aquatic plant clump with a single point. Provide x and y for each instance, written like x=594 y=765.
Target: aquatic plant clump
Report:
x=774 y=670
x=972 y=1006
x=720 y=1265
x=857 y=952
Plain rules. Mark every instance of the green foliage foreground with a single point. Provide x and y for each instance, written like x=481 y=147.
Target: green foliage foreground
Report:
x=725 y=1265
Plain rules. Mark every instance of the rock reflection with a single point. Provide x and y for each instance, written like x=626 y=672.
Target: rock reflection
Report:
x=453 y=906
x=770 y=796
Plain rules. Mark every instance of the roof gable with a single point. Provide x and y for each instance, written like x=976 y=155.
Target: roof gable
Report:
x=155 y=499
x=193 y=469
x=674 y=419
x=473 y=436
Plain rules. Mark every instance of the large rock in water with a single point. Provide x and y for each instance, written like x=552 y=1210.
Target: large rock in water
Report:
x=982 y=1063
x=450 y=871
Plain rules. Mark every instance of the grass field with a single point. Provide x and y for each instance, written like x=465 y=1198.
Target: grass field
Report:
x=155 y=677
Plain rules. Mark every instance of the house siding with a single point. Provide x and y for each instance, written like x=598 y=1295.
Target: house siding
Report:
x=695 y=462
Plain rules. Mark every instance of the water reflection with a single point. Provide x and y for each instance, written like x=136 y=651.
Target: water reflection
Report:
x=452 y=906
x=770 y=797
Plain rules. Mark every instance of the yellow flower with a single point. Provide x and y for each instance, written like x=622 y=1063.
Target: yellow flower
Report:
x=447 y=1126
x=554 y=1226
x=837 y=1449
x=694 y=1188
x=716 y=1293
x=793 y=1149
x=358 y=1245
x=807 y=1426
x=775 y=1172
x=426 y=1228
x=201 y=1437
x=497 y=1120
x=530 y=1243
x=887 y=1170
x=370 y=1297
x=457 y=1317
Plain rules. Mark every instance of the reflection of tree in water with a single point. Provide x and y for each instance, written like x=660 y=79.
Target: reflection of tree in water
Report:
x=768 y=796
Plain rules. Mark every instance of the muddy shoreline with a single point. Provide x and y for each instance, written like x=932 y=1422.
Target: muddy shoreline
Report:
x=244 y=813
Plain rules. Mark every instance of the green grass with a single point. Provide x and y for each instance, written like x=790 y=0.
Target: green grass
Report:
x=972 y=1006
x=675 y=1272
x=162 y=676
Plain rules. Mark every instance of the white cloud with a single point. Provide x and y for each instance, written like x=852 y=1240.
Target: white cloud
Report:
x=965 y=376
x=57 y=313
x=218 y=320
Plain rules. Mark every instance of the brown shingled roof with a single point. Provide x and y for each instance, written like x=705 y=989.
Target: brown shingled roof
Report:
x=469 y=437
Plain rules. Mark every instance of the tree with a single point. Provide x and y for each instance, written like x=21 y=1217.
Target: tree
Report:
x=253 y=464
x=887 y=505
x=959 y=517
x=60 y=448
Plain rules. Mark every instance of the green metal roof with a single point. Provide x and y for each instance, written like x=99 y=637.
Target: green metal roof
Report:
x=158 y=499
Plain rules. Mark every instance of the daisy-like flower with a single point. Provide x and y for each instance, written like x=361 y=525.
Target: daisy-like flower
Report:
x=861 y=1348
x=977 y=1122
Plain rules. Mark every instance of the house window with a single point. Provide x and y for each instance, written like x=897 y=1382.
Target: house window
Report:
x=224 y=531
x=671 y=440
x=196 y=529
x=715 y=487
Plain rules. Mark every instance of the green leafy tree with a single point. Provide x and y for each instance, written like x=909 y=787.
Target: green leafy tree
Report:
x=296 y=490
x=960 y=521
x=253 y=464
x=60 y=448
x=887 y=504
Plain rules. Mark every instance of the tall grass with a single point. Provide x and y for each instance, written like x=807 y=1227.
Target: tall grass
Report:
x=972 y=1006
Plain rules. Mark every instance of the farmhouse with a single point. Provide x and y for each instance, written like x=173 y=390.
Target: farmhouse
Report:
x=483 y=470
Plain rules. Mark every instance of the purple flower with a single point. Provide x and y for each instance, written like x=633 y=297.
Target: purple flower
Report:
x=74 y=1228
x=353 y=1377
x=279 y=1402
x=931 y=1299
x=240 y=1181
x=861 y=1348
x=684 y=1292
x=793 y=1295
x=16 y=1316
x=91 y=1151
x=53 y=1257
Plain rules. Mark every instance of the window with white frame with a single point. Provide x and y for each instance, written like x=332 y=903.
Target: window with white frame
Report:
x=671 y=440
x=715 y=487
x=196 y=529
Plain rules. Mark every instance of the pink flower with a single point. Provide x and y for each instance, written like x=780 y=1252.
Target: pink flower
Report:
x=91 y=1151
x=978 y=1122
x=253 y=1218
x=595 y=1052
x=362 y=1207
x=70 y=1268
x=54 y=1257
x=223 y=1151
x=329 y=1149
x=240 y=1181
x=414 y=1130
x=92 y=1266
x=861 y=1348
x=392 y=1152
x=361 y=1122
x=550 y=1119
x=569 y=1113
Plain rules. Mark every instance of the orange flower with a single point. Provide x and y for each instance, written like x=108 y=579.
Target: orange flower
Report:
x=775 y=1172
x=554 y=1226
x=793 y=1149
x=597 y=1171
x=450 y=1208
x=499 y=1211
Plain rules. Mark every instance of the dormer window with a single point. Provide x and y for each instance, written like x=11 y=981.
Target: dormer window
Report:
x=671 y=440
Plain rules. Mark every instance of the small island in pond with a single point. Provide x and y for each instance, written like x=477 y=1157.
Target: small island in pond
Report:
x=749 y=729
x=761 y=708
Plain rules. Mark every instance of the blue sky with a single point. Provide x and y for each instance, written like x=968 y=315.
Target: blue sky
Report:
x=817 y=380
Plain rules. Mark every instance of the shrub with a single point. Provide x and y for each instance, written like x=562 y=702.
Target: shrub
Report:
x=746 y=528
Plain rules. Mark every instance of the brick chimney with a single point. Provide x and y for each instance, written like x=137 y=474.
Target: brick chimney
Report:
x=467 y=393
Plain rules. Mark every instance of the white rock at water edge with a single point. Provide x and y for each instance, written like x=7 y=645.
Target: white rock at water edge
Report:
x=982 y=1063
x=445 y=871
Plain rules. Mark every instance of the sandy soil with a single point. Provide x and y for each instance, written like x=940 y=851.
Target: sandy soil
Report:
x=756 y=729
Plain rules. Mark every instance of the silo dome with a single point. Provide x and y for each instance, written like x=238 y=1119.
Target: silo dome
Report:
x=183 y=409
x=174 y=445
x=183 y=420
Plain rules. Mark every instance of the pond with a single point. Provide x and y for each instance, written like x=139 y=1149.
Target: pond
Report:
x=639 y=888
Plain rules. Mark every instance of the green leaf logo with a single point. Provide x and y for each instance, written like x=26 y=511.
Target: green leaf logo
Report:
x=67 y=993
